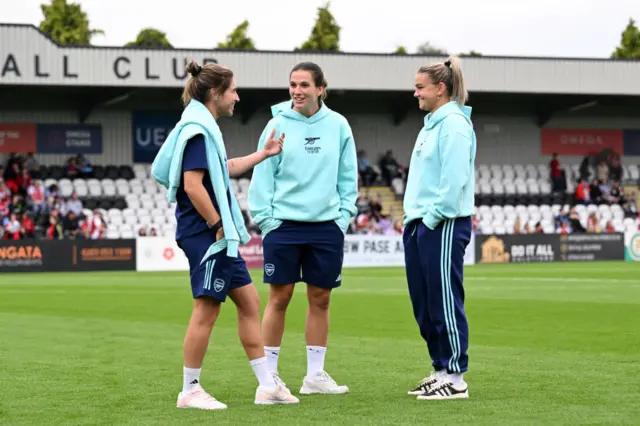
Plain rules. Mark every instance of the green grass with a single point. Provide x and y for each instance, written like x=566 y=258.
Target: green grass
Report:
x=550 y=344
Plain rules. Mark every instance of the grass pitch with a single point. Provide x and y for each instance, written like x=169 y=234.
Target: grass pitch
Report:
x=549 y=344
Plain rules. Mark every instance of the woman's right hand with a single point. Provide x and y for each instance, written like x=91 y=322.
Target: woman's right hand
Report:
x=219 y=234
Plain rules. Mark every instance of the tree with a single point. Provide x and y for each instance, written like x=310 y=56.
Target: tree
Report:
x=238 y=38
x=325 y=35
x=150 y=37
x=66 y=23
x=427 y=48
x=472 y=53
x=401 y=50
x=629 y=47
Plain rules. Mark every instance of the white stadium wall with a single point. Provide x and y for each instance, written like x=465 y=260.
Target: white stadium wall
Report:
x=501 y=139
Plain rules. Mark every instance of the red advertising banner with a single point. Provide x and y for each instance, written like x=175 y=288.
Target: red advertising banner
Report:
x=252 y=253
x=580 y=141
x=19 y=138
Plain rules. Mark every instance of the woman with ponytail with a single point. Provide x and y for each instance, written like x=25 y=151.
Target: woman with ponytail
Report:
x=439 y=205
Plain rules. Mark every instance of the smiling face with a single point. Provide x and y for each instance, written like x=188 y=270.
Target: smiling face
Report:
x=304 y=92
x=224 y=104
x=427 y=92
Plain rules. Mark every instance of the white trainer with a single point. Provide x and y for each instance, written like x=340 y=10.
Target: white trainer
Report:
x=279 y=395
x=444 y=389
x=321 y=383
x=427 y=382
x=200 y=399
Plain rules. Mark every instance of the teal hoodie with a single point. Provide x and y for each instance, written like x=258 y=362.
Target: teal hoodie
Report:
x=314 y=179
x=167 y=171
x=441 y=177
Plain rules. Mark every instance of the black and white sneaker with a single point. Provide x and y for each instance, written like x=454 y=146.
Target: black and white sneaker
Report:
x=444 y=389
x=426 y=383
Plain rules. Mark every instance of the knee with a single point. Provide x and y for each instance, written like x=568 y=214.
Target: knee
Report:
x=250 y=308
x=205 y=311
x=280 y=298
x=319 y=299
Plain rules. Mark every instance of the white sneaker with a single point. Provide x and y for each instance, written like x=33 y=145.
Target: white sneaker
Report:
x=321 y=383
x=426 y=383
x=278 y=380
x=200 y=399
x=444 y=389
x=279 y=395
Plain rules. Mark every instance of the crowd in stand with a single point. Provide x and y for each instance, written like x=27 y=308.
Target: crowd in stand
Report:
x=30 y=210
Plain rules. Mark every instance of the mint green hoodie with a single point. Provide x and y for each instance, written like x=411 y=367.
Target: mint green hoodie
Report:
x=441 y=177
x=314 y=179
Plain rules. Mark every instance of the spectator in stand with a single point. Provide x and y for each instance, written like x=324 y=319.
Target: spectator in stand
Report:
x=563 y=217
x=556 y=172
x=630 y=207
x=595 y=193
x=610 y=228
x=97 y=225
x=582 y=195
x=18 y=205
x=5 y=192
x=73 y=171
x=36 y=193
x=539 y=229
x=28 y=226
x=71 y=225
x=390 y=168
x=367 y=174
x=517 y=226
x=593 y=224
x=74 y=204
x=11 y=177
x=55 y=230
x=153 y=232
x=616 y=195
x=585 y=169
x=574 y=221
x=615 y=168
x=32 y=166
x=13 y=228
x=84 y=165
x=398 y=228
x=24 y=181
x=602 y=172
x=142 y=232
x=564 y=228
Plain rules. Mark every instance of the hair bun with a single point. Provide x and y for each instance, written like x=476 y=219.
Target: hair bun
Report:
x=194 y=68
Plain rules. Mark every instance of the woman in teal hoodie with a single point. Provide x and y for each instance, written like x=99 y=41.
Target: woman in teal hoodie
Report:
x=439 y=205
x=303 y=201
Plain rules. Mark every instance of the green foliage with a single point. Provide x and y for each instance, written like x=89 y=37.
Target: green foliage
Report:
x=325 y=35
x=151 y=37
x=629 y=47
x=66 y=23
x=401 y=50
x=238 y=38
x=427 y=48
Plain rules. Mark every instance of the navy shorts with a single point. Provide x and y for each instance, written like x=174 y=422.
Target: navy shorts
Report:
x=217 y=274
x=314 y=248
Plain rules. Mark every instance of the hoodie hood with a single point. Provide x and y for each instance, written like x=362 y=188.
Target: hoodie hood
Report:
x=451 y=108
x=285 y=109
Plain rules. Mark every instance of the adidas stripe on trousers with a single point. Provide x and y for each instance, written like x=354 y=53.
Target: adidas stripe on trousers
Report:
x=434 y=262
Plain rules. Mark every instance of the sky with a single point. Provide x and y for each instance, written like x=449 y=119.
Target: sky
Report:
x=552 y=28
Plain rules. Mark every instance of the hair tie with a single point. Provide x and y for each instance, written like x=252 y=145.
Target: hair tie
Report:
x=447 y=63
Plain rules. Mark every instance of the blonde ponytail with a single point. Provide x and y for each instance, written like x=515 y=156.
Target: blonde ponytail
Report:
x=449 y=73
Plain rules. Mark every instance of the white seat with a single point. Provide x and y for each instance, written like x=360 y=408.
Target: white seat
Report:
x=112 y=234
x=82 y=191
x=114 y=212
x=159 y=220
x=115 y=220
x=95 y=190
x=109 y=191
x=130 y=220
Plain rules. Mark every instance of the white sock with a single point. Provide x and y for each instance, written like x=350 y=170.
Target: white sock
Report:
x=456 y=379
x=261 y=370
x=315 y=360
x=191 y=379
x=272 y=353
